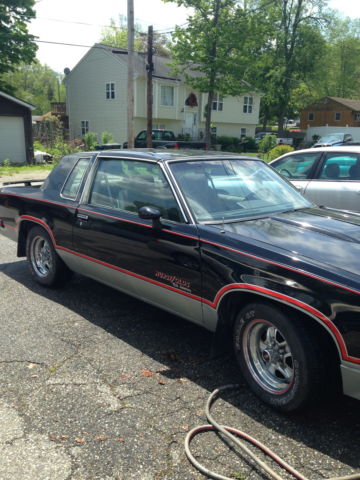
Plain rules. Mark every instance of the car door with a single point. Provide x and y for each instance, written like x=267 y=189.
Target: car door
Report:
x=156 y=263
x=337 y=184
x=298 y=168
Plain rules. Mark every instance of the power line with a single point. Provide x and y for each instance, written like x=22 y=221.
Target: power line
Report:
x=77 y=23
x=65 y=44
x=115 y=27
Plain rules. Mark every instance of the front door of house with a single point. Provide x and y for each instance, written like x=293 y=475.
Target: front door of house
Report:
x=190 y=125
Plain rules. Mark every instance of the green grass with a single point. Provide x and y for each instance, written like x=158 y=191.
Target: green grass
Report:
x=14 y=169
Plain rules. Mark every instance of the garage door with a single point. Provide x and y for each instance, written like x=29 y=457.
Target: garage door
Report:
x=12 y=139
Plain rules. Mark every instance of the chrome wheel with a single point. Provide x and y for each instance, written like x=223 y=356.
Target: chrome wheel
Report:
x=268 y=356
x=41 y=256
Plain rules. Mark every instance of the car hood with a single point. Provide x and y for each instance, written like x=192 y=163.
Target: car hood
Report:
x=319 y=236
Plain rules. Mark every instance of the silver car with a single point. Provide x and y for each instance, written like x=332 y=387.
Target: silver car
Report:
x=327 y=176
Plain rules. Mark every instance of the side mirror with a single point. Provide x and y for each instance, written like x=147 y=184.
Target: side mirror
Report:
x=150 y=213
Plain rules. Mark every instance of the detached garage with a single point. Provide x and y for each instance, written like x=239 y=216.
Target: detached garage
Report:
x=15 y=130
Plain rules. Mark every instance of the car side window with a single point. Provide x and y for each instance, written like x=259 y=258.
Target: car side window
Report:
x=341 y=166
x=297 y=166
x=74 y=180
x=142 y=136
x=129 y=185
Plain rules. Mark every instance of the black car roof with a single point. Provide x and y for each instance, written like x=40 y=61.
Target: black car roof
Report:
x=159 y=155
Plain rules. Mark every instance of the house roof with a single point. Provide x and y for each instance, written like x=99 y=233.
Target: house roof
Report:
x=354 y=105
x=16 y=100
x=162 y=69
x=162 y=65
x=348 y=102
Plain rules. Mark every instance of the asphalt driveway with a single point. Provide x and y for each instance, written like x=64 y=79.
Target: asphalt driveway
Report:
x=97 y=385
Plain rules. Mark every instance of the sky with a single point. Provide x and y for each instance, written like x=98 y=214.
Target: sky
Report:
x=80 y=22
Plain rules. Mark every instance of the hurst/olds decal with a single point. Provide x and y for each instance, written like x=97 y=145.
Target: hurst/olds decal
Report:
x=174 y=280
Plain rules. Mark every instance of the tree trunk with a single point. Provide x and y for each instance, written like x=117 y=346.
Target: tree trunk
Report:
x=212 y=52
x=281 y=119
x=208 y=111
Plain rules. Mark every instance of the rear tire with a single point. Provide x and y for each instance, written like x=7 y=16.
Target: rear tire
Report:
x=279 y=356
x=45 y=265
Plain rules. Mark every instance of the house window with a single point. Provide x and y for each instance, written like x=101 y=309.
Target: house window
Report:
x=337 y=116
x=167 y=96
x=310 y=116
x=217 y=103
x=110 y=91
x=84 y=127
x=248 y=105
x=243 y=132
x=357 y=117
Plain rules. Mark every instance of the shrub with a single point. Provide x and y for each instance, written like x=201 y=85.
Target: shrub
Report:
x=106 y=137
x=228 y=144
x=249 y=144
x=267 y=143
x=90 y=140
x=39 y=146
x=278 y=151
x=6 y=162
x=59 y=149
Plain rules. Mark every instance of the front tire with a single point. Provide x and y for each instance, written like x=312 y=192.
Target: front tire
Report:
x=278 y=355
x=45 y=265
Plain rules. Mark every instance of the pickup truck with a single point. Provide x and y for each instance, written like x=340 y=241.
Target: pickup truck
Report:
x=221 y=240
x=165 y=139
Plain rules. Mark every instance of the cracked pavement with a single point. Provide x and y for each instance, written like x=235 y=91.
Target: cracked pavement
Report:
x=97 y=385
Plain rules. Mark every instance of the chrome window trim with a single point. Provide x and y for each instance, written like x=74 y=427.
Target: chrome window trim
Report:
x=81 y=183
x=171 y=181
x=91 y=177
x=194 y=159
x=179 y=194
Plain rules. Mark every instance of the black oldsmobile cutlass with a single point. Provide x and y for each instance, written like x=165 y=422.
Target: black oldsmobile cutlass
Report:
x=222 y=241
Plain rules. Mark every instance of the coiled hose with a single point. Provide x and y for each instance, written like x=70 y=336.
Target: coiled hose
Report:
x=231 y=434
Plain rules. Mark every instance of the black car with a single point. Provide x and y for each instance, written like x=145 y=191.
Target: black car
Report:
x=221 y=240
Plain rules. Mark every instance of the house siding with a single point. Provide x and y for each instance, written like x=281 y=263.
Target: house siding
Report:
x=86 y=98
x=324 y=115
x=86 y=101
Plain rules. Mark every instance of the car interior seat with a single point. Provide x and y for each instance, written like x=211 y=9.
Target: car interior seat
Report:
x=354 y=171
x=332 y=171
x=197 y=188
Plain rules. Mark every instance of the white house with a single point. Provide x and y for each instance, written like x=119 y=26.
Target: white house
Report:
x=97 y=99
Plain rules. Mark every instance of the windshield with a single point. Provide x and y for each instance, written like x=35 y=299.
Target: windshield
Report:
x=332 y=137
x=231 y=190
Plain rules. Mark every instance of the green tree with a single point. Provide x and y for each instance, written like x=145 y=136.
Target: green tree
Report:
x=213 y=50
x=340 y=63
x=115 y=35
x=337 y=72
x=16 y=44
x=36 y=84
x=291 y=53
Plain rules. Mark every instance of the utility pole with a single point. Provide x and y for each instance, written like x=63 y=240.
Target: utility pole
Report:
x=130 y=24
x=150 y=69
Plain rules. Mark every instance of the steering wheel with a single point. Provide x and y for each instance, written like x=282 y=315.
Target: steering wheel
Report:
x=285 y=173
